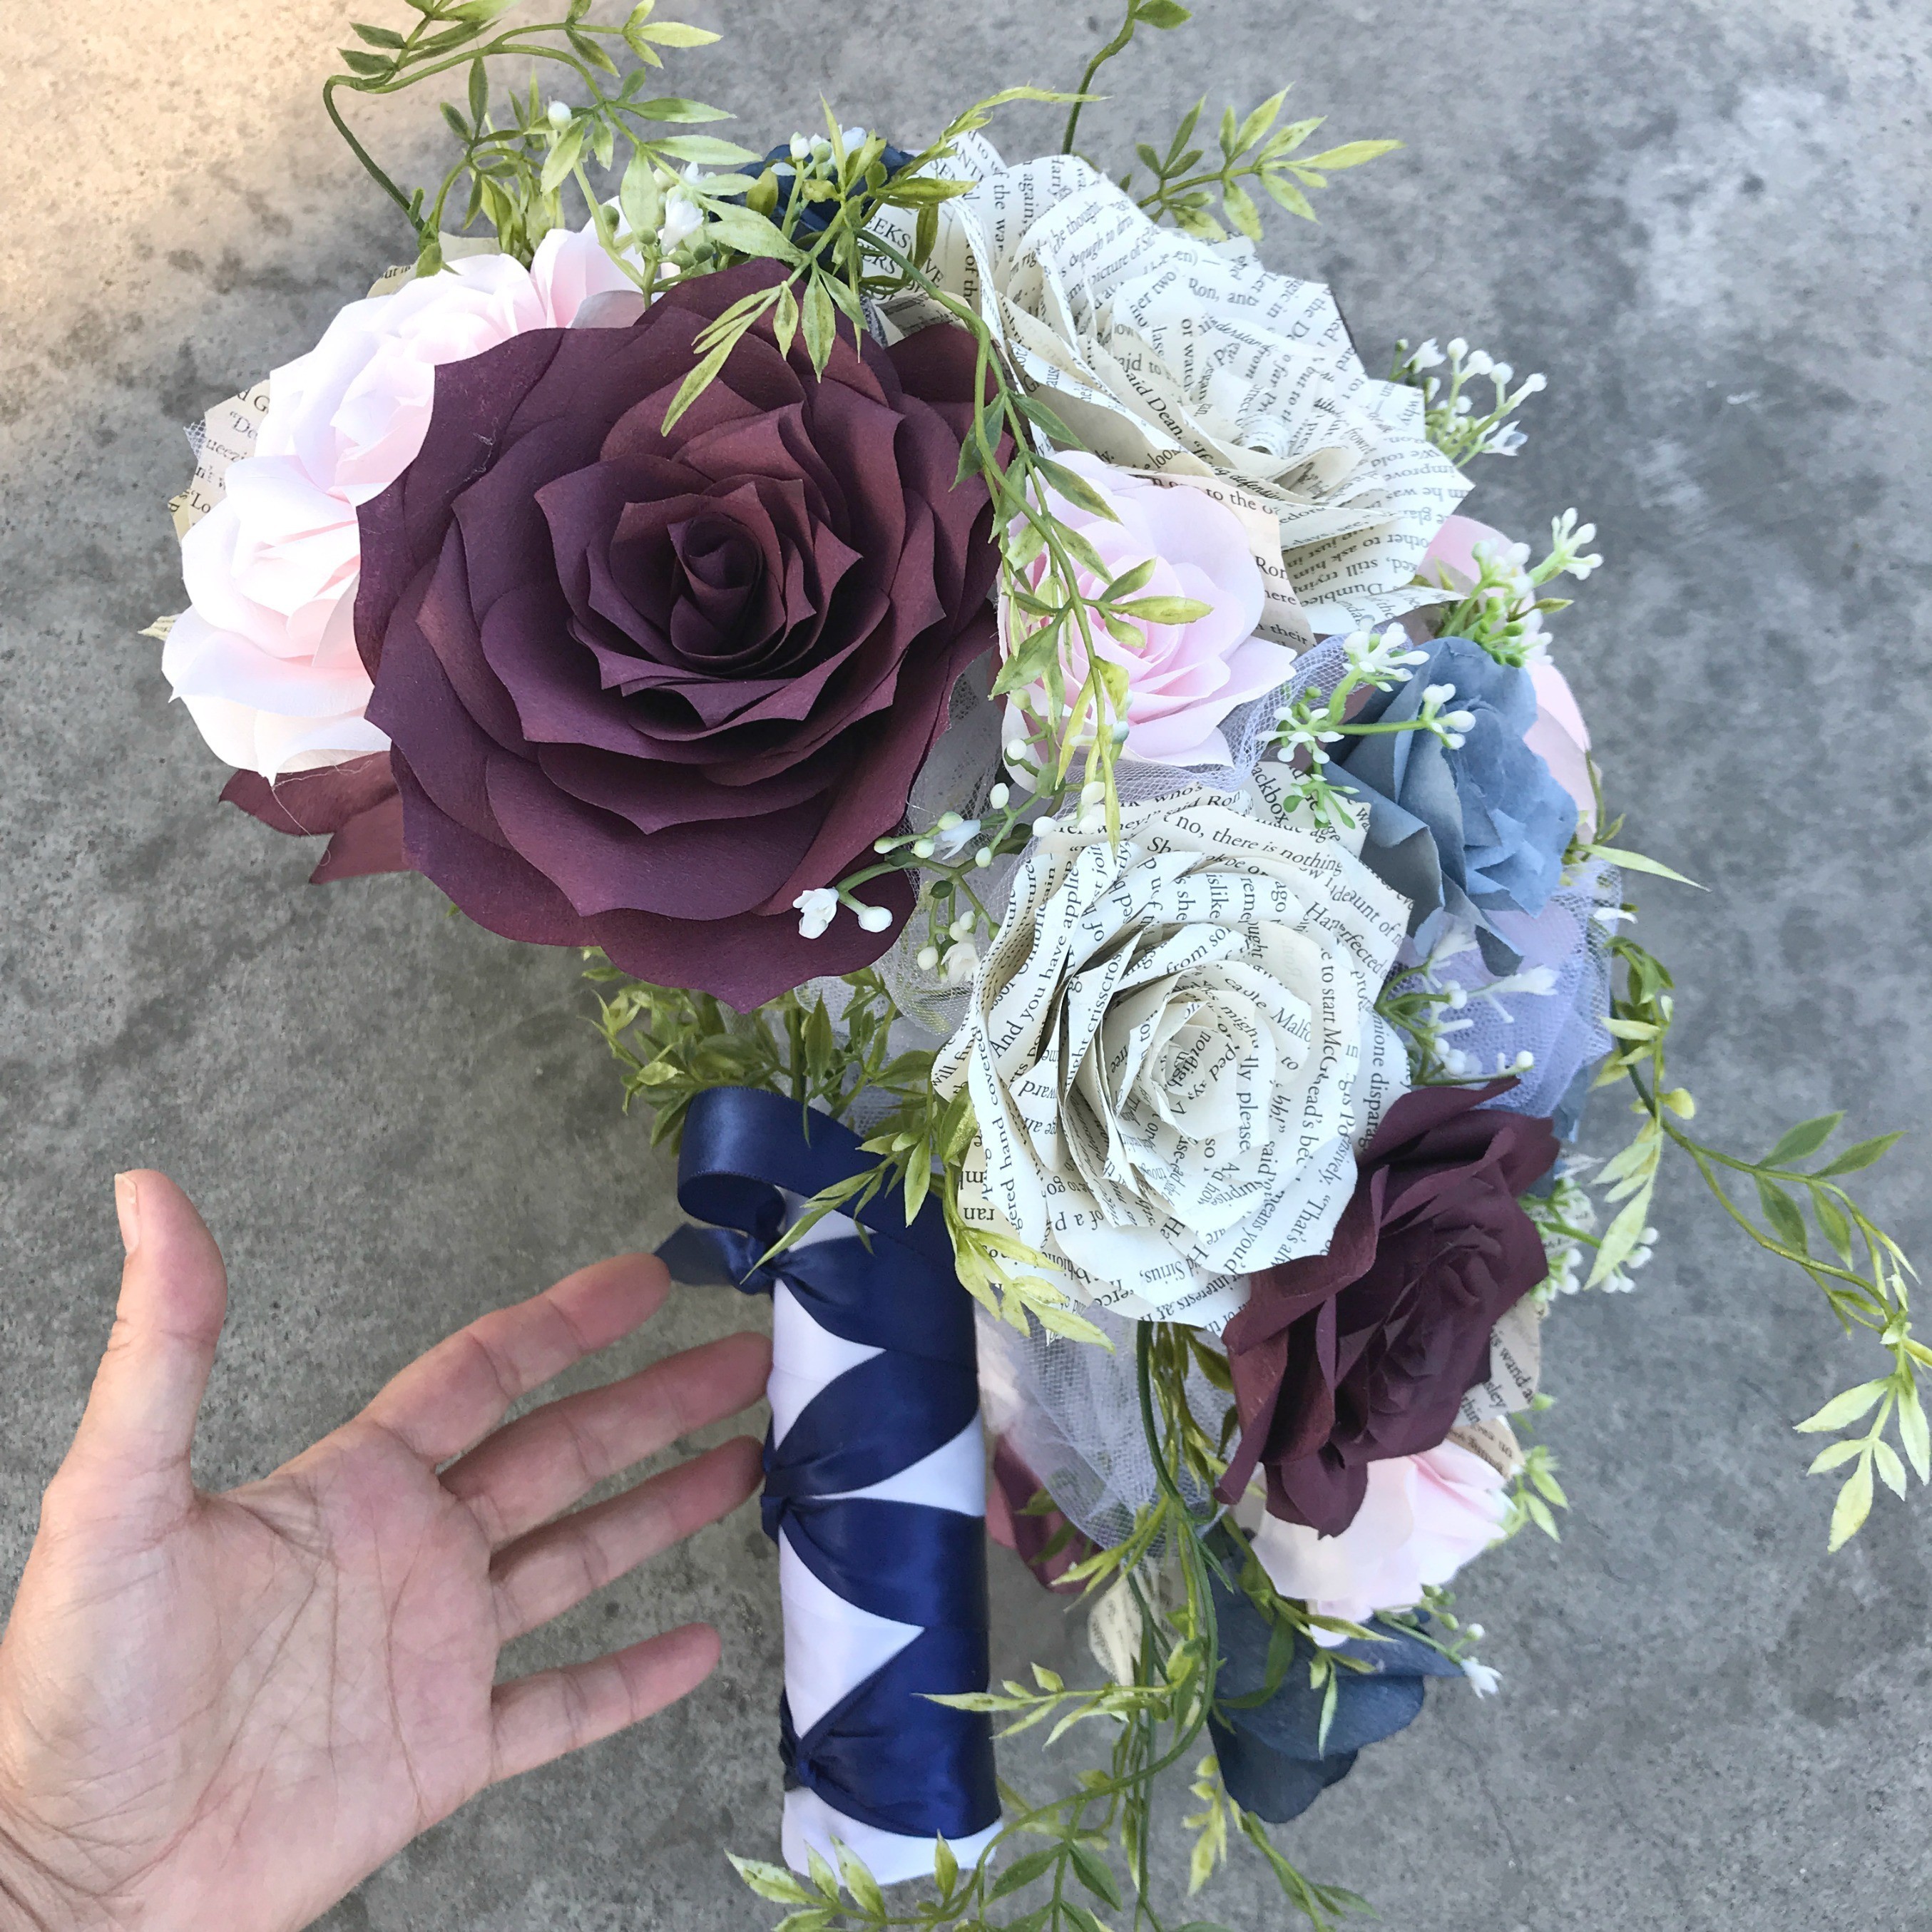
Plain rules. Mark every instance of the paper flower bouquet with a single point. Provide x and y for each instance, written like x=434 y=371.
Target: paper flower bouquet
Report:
x=1088 y=855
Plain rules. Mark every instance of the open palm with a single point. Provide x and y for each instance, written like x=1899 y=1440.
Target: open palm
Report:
x=225 y=1710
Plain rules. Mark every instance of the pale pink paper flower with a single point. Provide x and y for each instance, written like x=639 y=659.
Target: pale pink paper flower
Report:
x=1559 y=736
x=1424 y=1517
x=1189 y=676
x=265 y=659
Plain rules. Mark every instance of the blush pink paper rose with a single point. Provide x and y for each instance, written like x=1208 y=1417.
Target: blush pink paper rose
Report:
x=1559 y=736
x=1189 y=676
x=1422 y=1518
x=265 y=659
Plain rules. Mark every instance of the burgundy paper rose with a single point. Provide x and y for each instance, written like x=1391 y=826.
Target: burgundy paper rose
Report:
x=644 y=690
x=1344 y=1359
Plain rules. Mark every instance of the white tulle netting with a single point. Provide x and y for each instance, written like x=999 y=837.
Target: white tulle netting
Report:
x=1073 y=1413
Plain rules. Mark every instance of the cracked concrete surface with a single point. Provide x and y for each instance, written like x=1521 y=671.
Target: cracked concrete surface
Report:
x=1706 y=221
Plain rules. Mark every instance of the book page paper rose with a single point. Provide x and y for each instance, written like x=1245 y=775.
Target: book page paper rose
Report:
x=1164 y=352
x=1172 y=1048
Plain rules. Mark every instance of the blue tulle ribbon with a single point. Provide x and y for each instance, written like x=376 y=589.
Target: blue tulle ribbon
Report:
x=885 y=1754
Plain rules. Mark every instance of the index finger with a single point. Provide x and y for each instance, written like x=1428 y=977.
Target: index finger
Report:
x=448 y=1400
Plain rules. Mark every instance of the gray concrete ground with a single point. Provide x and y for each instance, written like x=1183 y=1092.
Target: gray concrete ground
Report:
x=1706 y=221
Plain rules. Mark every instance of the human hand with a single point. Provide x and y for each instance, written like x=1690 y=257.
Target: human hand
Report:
x=218 y=1713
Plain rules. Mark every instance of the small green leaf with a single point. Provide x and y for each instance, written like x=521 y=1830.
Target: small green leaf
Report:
x=674 y=108
x=458 y=126
x=1833 y=1454
x=1022 y=1872
x=706 y=150
x=695 y=385
x=1165 y=14
x=377 y=37
x=1786 y=1223
x=1836 y=1229
x=479 y=91
x=673 y=34
x=1891 y=1470
x=562 y=158
x=1800 y=1142
x=1238 y=206
x=770 y=1881
x=1862 y=1154
x=1842 y=1411
x=784 y=326
x=368 y=65
x=860 y=1881
x=1095 y=1873
x=1288 y=195
x=1352 y=155
x=821 y=324
x=1914 y=1434
x=749 y=234
x=1258 y=122
x=1078 y=491
x=1853 y=1506
x=823 y=1875
x=639 y=199
x=1167 y=610
x=945 y=1867
x=1632 y=861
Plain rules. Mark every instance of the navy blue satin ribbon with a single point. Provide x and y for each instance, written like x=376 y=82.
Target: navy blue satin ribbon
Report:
x=885 y=1754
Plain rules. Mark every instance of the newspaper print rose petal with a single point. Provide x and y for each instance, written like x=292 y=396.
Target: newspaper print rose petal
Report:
x=1172 y=1051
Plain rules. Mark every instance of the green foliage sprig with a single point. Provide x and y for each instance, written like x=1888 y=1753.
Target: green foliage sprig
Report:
x=1164 y=14
x=516 y=170
x=1861 y=1271
x=674 y=1044
x=1251 y=149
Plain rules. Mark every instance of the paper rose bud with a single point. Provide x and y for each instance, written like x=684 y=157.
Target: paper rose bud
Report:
x=265 y=659
x=647 y=690
x=1164 y=352
x=1171 y=1048
x=1348 y=1357
x=1422 y=1518
x=1278 y=1755
x=1187 y=677
x=1461 y=832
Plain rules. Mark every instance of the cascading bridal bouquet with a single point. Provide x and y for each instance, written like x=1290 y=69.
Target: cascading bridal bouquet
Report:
x=1088 y=856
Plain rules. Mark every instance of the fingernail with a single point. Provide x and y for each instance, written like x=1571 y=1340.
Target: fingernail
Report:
x=127 y=1210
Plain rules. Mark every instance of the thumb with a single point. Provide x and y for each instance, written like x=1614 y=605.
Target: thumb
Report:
x=174 y=1292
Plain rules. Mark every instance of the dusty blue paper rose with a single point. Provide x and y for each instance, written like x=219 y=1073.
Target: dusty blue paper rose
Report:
x=1273 y=1758
x=1466 y=832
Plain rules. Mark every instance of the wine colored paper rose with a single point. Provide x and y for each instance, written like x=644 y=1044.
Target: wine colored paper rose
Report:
x=1172 y=1047
x=1186 y=678
x=1364 y=1352
x=647 y=690
x=265 y=658
x=1165 y=352
x=1422 y=1518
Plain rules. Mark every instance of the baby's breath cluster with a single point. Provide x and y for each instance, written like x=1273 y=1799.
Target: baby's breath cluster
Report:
x=1307 y=724
x=1504 y=610
x=1456 y=425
